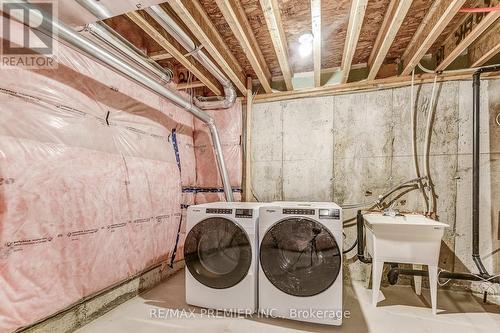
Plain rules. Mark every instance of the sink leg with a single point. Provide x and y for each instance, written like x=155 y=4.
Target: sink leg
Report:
x=433 y=277
x=368 y=271
x=377 y=268
x=418 y=281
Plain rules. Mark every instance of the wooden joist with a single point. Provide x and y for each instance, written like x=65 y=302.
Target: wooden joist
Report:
x=194 y=17
x=378 y=84
x=184 y=86
x=357 y=15
x=272 y=15
x=316 y=32
x=456 y=44
x=170 y=45
x=390 y=26
x=160 y=55
x=486 y=47
x=235 y=16
x=434 y=23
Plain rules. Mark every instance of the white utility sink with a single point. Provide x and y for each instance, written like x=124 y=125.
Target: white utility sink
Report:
x=413 y=239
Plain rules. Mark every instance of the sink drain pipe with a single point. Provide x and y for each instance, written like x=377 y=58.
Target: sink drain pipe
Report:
x=483 y=273
x=52 y=26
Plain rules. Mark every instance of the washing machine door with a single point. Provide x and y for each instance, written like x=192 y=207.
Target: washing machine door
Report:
x=218 y=253
x=300 y=257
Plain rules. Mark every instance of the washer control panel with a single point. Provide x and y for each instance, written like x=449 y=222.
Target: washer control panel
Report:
x=333 y=214
x=243 y=213
x=298 y=211
x=219 y=211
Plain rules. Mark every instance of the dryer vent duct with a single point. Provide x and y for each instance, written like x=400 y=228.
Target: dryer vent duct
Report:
x=169 y=24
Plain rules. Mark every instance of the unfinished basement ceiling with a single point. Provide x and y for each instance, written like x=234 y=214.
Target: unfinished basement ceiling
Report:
x=294 y=16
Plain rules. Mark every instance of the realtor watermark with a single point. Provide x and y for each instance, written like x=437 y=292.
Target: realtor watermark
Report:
x=297 y=314
x=27 y=34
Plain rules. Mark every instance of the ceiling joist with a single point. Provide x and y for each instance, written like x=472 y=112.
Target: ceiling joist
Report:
x=433 y=25
x=452 y=50
x=160 y=55
x=377 y=84
x=193 y=16
x=235 y=16
x=357 y=15
x=272 y=15
x=316 y=32
x=486 y=47
x=390 y=27
x=170 y=45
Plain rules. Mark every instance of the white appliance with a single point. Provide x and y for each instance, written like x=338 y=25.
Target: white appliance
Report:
x=220 y=252
x=300 y=271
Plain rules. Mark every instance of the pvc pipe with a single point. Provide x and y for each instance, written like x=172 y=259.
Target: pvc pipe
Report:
x=85 y=45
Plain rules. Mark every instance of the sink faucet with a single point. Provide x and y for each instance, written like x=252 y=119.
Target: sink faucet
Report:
x=391 y=211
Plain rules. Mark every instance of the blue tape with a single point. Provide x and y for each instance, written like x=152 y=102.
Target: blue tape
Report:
x=176 y=149
x=208 y=190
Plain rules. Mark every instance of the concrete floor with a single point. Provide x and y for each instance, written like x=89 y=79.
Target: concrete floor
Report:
x=400 y=311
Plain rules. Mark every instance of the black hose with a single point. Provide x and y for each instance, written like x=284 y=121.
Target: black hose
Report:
x=351 y=247
x=360 y=241
x=476 y=105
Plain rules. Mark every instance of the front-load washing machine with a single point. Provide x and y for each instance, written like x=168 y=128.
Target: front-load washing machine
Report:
x=220 y=252
x=300 y=272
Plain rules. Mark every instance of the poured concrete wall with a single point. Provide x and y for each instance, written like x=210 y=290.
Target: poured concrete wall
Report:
x=351 y=148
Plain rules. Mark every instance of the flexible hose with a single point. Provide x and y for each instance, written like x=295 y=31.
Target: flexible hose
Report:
x=414 y=140
x=428 y=135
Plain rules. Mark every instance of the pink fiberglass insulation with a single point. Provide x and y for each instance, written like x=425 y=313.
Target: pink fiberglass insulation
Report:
x=90 y=193
x=204 y=197
x=184 y=130
x=229 y=123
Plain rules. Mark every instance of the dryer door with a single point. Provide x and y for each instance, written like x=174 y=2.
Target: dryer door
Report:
x=218 y=252
x=300 y=257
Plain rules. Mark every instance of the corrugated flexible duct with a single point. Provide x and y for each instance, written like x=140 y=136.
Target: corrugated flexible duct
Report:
x=71 y=37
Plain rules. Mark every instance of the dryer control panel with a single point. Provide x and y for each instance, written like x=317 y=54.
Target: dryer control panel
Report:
x=298 y=211
x=219 y=211
x=243 y=213
x=329 y=214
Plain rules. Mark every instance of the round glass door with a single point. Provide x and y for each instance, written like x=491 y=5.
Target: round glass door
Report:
x=300 y=257
x=217 y=253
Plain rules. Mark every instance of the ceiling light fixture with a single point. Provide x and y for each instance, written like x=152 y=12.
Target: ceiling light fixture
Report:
x=306 y=45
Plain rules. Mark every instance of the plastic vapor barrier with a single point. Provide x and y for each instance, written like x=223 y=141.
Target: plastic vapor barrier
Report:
x=229 y=122
x=90 y=182
x=90 y=191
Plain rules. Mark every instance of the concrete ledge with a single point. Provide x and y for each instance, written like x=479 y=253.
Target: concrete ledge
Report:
x=94 y=306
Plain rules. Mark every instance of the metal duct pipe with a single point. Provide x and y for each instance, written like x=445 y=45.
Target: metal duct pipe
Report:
x=104 y=33
x=87 y=46
x=169 y=24
x=95 y=8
